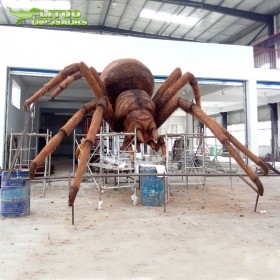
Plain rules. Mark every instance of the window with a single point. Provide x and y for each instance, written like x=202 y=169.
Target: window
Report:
x=238 y=131
x=16 y=94
x=264 y=131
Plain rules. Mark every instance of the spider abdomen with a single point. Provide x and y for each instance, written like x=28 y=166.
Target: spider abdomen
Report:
x=126 y=74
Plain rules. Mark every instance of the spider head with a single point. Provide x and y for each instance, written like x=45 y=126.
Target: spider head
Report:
x=143 y=123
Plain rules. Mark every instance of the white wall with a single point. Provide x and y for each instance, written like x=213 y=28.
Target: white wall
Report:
x=48 y=49
x=15 y=118
x=37 y=48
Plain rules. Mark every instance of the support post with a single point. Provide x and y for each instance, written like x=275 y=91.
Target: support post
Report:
x=73 y=214
x=274 y=130
x=251 y=120
x=224 y=123
x=256 y=204
x=164 y=193
x=73 y=209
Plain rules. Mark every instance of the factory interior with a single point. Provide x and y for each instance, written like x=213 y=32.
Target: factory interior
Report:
x=135 y=146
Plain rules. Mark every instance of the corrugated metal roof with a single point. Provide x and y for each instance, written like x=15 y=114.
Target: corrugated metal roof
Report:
x=243 y=22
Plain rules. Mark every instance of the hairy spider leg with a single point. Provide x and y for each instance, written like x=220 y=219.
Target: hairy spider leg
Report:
x=231 y=138
x=173 y=84
x=65 y=78
x=167 y=90
x=64 y=131
x=93 y=80
x=65 y=84
x=89 y=73
x=54 y=82
x=245 y=151
x=189 y=107
x=171 y=79
x=101 y=106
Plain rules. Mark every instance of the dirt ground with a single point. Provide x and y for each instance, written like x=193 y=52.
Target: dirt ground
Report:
x=212 y=236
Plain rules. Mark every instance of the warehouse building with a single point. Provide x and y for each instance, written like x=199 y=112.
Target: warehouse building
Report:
x=233 y=52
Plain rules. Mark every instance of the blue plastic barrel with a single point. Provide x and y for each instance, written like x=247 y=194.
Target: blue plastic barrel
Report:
x=151 y=187
x=15 y=194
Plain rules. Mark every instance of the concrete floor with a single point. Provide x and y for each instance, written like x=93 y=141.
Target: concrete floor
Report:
x=214 y=236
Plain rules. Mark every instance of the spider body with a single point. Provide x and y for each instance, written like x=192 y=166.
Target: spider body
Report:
x=126 y=74
x=129 y=85
x=125 y=98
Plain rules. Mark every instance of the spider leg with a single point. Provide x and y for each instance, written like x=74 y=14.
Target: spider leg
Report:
x=173 y=84
x=91 y=79
x=171 y=79
x=245 y=151
x=100 y=108
x=230 y=142
x=67 y=76
x=64 y=131
x=66 y=83
x=217 y=129
x=55 y=81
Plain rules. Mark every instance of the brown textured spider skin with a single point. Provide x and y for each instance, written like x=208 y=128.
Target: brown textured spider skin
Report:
x=122 y=75
x=124 y=98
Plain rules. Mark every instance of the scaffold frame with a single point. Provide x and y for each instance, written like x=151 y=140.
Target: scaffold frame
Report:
x=110 y=159
x=21 y=156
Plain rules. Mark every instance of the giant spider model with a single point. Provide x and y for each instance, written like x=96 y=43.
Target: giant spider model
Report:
x=124 y=98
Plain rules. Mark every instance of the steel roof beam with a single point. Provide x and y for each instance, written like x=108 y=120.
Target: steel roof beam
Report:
x=268 y=19
x=220 y=9
x=105 y=10
x=124 y=32
x=269 y=42
x=112 y=30
x=99 y=29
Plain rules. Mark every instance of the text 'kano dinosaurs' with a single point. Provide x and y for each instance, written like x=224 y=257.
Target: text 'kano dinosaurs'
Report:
x=124 y=98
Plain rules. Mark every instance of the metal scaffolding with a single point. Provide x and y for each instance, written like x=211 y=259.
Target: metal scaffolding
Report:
x=23 y=148
x=27 y=151
x=191 y=155
x=106 y=157
x=21 y=156
x=186 y=152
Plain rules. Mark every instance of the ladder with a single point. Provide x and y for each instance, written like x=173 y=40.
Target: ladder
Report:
x=24 y=148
